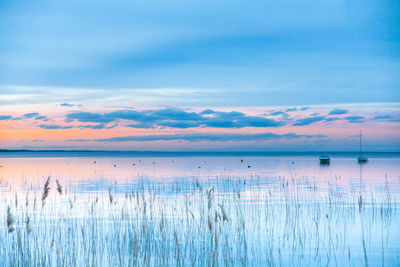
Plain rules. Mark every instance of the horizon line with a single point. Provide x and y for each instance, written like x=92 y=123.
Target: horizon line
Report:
x=192 y=151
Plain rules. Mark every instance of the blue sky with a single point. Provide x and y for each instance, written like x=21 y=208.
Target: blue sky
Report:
x=314 y=52
x=110 y=57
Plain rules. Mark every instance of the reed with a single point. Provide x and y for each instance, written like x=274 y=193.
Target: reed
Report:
x=10 y=220
x=46 y=190
x=59 y=187
x=203 y=223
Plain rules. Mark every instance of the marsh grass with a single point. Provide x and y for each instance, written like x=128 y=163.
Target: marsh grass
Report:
x=196 y=224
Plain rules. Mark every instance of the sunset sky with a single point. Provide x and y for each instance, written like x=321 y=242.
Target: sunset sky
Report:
x=200 y=75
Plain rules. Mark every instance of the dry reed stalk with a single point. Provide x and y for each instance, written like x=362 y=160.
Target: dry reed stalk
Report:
x=224 y=216
x=210 y=197
x=28 y=225
x=46 y=190
x=209 y=224
x=59 y=187
x=10 y=220
x=110 y=196
x=19 y=238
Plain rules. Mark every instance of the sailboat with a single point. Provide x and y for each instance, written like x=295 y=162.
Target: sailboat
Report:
x=361 y=158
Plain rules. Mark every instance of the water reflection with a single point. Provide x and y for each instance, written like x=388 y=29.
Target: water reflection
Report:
x=158 y=211
x=94 y=175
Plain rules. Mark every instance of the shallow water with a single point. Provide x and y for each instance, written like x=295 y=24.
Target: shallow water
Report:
x=88 y=175
x=291 y=209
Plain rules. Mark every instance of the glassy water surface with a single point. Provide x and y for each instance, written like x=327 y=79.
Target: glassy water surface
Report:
x=240 y=210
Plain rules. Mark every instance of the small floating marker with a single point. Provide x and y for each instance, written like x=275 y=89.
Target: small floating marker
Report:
x=324 y=160
x=199 y=167
x=249 y=166
x=94 y=162
x=154 y=162
x=133 y=164
x=292 y=162
x=241 y=161
x=115 y=165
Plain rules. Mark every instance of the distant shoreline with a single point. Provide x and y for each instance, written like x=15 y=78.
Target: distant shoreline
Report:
x=110 y=153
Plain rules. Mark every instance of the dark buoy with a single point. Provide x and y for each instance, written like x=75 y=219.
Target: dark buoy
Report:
x=115 y=165
x=249 y=166
x=94 y=162
x=324 y=160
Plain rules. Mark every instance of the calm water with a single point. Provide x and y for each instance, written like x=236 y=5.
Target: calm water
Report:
x=344 y=213
x=87 y=175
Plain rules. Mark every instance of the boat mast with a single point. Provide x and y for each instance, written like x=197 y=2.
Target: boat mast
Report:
x=360 y=142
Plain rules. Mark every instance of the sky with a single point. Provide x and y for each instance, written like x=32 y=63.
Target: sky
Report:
x=200 y=75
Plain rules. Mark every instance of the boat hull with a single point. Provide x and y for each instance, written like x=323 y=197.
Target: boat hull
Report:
x=324 y=160
x=362 y=159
